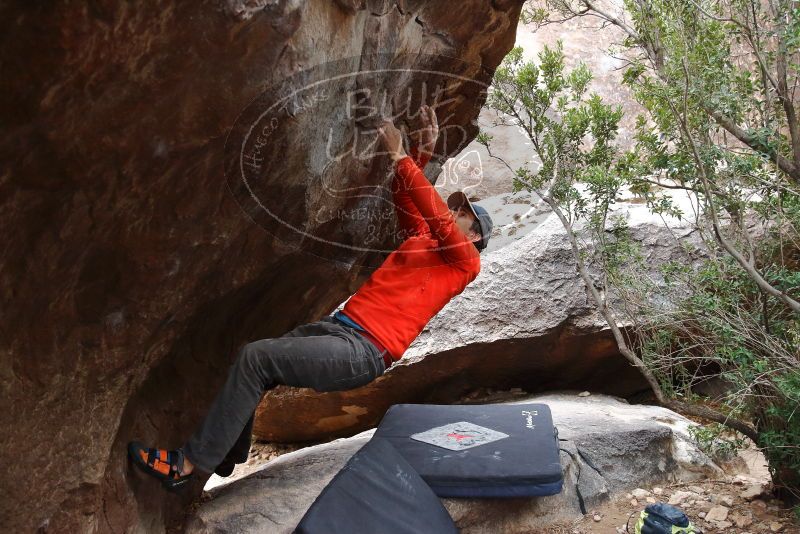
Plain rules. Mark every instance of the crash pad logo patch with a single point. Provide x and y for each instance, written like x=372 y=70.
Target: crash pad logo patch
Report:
x=459 y=436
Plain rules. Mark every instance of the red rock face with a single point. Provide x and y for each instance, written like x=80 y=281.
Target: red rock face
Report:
x=130 y=274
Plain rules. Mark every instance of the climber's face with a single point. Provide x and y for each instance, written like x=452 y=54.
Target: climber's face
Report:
x=464 y=219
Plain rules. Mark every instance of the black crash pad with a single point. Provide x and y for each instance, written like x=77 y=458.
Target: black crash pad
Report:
x=488 y=450
x=376 y=492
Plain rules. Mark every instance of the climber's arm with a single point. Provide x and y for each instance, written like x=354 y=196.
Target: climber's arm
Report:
x=455 y=246
x=421 y=158
x=408 y=216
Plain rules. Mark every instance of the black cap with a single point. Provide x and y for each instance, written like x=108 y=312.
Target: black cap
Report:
x=459 y=199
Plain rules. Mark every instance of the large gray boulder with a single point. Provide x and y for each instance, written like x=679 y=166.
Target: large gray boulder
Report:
x=616 y=446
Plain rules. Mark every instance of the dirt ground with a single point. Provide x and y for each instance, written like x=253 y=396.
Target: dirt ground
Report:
x=742 y=498
x=759 y=515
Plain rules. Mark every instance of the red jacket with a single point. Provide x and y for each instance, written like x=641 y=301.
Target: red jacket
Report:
x=429 y=268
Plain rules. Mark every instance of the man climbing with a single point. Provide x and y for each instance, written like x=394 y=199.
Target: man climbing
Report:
x=356 y=345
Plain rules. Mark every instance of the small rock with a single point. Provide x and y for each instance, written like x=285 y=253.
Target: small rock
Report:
x=696 y=489
x=658 y=491
x=717 y=513
x=724 y=525
x=702 y=515
x=584 y=394
x=705 y=507
x=597 y=518
x=640 y=493
x=722 y=499
x=741 y=521
x=634 y=502
x=752 y=491
x=650 y=500
x=775 y=526
x=679 y=496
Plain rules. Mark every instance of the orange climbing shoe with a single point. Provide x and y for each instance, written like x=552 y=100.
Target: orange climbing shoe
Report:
x=163 y=464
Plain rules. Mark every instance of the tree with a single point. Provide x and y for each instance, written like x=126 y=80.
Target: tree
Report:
x=684 y=72
x=552 y=109
x=680 y=144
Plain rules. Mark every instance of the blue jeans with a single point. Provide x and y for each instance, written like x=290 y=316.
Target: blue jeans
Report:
x=326 y=355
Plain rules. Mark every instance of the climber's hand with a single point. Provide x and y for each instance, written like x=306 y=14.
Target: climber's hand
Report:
x=392 y=140
x=430 y=130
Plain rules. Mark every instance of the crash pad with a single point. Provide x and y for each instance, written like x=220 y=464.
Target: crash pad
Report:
x=489 y=450
x=376 y=491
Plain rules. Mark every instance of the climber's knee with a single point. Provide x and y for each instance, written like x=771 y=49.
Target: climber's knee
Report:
x=251 y=356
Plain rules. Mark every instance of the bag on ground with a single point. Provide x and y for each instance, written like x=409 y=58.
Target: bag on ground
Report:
x=662 y=518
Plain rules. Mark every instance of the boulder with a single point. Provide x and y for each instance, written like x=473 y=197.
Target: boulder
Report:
x=134 y=265
x=617 y=447
x=525 y=321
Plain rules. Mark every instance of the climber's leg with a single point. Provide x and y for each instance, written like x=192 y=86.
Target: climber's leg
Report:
x=241 y=449
x=334 y=359
x=238 y=453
